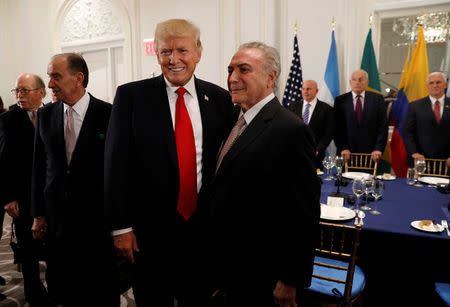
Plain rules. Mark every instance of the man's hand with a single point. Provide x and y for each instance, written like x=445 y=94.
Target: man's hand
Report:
x=346 y=154
x=418 y=156
x=285 y=295
x=12 y=209
x=376 y=155
x=39 y=228
x=125 y=244
x=448 y=162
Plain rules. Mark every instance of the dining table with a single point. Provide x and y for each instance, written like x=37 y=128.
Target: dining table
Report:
x=401 y=262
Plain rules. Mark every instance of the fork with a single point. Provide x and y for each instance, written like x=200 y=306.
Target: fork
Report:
x=445 y=225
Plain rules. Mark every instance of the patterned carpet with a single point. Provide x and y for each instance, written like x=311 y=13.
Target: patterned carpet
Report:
x=14 y=283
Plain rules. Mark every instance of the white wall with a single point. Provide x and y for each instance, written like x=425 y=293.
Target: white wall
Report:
x=29 y=35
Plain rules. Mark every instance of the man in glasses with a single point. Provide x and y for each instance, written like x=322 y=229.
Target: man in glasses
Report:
x=16 y=156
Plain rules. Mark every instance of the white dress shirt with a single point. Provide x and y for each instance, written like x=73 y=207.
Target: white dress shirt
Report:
x=441 y=103
x=78 y=112
x=193 y=108
x=311 y=108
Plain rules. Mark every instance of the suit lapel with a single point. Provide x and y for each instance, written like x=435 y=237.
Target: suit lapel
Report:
x=256 y=127
x=316 y=113
x=203 y=100
x=446 y=113
x=58 y=113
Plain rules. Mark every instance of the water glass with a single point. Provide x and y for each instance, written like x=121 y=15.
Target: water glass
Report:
x=410 y=176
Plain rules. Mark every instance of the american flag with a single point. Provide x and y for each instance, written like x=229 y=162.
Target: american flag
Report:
x=293 y=91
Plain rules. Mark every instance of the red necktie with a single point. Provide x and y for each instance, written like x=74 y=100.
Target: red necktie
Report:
x=437 y=111
x=358 y=108
x=187 y=162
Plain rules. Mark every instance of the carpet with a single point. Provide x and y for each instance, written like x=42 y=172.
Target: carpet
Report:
x=13 y=290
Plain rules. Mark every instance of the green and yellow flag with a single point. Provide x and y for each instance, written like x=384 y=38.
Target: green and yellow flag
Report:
x=369 y=64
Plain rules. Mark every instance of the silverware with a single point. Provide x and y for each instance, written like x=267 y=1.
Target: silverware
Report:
x=445 y=225
x=361 y=215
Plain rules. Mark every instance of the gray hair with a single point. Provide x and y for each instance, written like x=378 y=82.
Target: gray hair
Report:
x=272 y=59
x=435 y=74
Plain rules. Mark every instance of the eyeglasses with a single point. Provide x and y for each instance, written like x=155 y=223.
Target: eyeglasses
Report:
x=24 y=91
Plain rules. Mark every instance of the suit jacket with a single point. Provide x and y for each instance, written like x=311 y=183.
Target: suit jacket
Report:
x=370 y=134
x=69 y=193
x=422 y=134
x=16 y=158
x=141 y=164
x=265 y=202
x=321 y=124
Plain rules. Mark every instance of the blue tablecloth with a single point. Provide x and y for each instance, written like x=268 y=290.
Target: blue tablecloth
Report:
x=401 y=263
x=401 y=204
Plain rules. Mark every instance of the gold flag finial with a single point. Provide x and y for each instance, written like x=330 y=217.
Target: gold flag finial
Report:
x=332 y=23
x=370 y=20
x=296 y=28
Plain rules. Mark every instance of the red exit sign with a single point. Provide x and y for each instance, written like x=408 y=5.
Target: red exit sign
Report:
x=149 y=46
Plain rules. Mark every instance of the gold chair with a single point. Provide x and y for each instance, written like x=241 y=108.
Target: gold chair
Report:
x=336 y=278
x=436 y=167
x=361 y=162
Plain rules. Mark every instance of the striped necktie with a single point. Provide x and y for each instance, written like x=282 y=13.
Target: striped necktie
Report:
x=437 y=111
x=306 y=113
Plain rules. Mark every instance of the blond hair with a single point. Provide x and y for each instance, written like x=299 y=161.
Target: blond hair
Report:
x=175 y=28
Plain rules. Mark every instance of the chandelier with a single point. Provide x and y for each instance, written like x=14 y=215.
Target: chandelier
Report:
x=436 y=27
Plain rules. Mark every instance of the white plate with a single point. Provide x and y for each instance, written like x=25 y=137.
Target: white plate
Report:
x=431 y=228
x=391 y=177
x=354 y=175
x=433 y=180
x=336 y=213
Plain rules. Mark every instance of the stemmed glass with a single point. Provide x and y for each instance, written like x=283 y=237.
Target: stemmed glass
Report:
x=420 y=167
x=339 y=162
x=377 y=194
x=369 y=185
x=328 y=163
x=358 y=189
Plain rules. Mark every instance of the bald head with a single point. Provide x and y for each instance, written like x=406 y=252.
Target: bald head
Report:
x=309 y=90
x=30 y=89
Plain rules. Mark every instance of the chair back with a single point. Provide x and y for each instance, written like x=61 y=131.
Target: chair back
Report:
x=436 y=167
x=361 y=162
x=339 y=242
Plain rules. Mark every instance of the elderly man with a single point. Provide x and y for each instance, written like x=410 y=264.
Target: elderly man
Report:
x=67 y=187
x=16 y=158
x=161 y=149
x=318 y=115
x=265 y=195
x=361 y=121
x=427 y=123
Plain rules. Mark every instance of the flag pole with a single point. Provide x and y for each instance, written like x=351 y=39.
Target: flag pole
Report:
x=370 y=20
x=296 y=28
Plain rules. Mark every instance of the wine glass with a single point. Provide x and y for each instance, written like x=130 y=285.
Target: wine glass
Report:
x=339 y=162
x=377 y=194
x=369 y=185
x=328 y=164
x=420 y=167
x=358 y=189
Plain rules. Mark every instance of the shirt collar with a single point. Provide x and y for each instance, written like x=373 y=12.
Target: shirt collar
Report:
x=362 y=94
x=254 y=110
x=433 y=100
x=80 y=107
x=312 y=102
x=189 y=86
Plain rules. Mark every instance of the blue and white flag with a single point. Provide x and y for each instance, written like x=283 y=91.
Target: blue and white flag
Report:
x=329 y=88
x=293 y=90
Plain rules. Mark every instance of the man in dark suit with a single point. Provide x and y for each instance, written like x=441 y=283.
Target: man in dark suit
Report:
x=361 y=120
x=67 y=188
x=318 y=115
x=427 y=123
x=265 y=195
x=163 y=139
x=16 y=158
